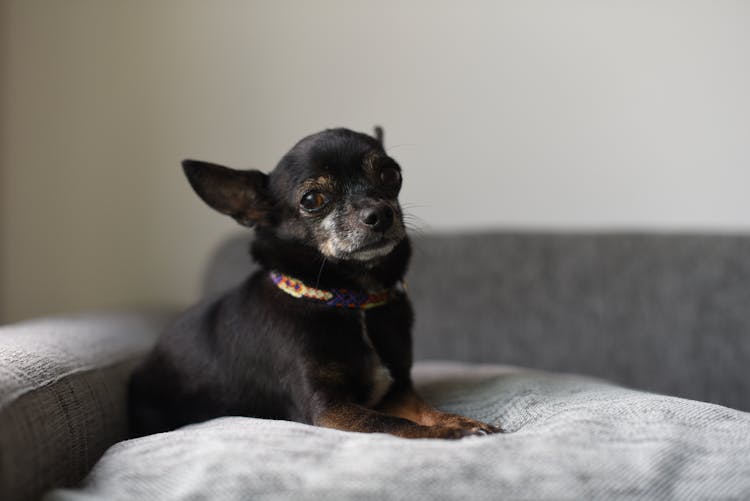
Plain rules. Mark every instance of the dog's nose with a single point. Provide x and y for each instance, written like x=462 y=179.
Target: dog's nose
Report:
x=377 y=218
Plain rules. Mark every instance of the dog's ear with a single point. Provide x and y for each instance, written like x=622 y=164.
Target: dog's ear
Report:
x=241 y=194
x=380 y=135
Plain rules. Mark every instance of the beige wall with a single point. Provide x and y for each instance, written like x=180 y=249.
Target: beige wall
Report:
x=580 y=114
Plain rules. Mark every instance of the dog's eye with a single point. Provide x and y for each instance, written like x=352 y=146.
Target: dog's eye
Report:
x=390 y=175
x=313 y=200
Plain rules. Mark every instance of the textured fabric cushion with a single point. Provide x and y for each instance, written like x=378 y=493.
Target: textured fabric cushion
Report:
x=569 y=438
x=666 y=313
x=62 y=395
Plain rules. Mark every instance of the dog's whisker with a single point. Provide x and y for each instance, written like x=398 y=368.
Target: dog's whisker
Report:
x=416 y=230
x=414 y=223
x=412 y=217
x=320 y=272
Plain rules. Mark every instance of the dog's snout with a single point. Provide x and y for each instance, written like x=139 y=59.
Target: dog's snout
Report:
x=377 y=218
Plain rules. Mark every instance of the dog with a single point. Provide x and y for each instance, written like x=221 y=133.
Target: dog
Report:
x=321 y=333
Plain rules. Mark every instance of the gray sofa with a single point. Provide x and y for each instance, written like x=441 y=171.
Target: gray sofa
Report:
x=657 y=327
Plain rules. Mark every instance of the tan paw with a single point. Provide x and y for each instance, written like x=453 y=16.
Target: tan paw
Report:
x=470 y=426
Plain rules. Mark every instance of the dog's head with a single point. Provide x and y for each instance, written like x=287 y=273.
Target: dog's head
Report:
x=335 y=191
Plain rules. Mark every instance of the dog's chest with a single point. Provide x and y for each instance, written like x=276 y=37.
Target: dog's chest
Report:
x=380 y=377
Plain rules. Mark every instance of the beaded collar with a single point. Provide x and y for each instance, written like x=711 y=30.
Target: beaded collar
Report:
x=341 y=298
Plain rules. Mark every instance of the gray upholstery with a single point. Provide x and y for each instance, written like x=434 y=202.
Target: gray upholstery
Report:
x=62 y=395
x=660 y=312
x=667 y=313
x=570 y=438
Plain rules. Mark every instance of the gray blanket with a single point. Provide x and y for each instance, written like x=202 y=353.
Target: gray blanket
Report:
x=569 y=437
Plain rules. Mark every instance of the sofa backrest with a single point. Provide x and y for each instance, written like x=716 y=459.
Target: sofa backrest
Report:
x=666 y=313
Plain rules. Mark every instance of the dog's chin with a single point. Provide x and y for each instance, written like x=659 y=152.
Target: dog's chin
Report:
x=367 y=253
x=373 y=252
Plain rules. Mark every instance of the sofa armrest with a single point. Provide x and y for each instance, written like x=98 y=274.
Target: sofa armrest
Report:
x=63 y=384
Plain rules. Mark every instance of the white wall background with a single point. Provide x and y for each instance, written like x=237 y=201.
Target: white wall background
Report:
x=553 y=114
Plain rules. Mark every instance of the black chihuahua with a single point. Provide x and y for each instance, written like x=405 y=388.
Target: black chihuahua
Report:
x=321 y=334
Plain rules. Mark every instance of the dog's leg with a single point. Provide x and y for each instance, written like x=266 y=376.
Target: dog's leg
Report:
x=353 y=417
x=407 y=404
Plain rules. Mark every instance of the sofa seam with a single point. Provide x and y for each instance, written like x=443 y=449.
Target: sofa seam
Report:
x=14 y=396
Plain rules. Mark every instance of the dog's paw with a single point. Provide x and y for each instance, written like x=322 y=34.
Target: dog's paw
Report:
x=449 y=433
x=470 y=426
